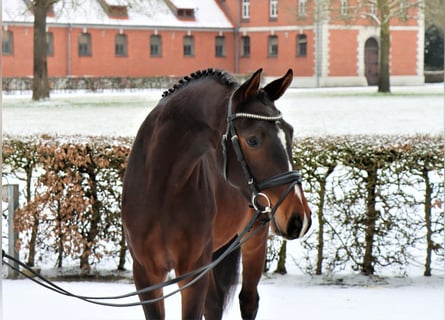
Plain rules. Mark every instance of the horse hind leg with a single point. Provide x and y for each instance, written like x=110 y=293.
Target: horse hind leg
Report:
x=144 y=278
x=223 y=279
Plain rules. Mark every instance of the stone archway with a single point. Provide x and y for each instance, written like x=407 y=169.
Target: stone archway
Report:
x=372 y=61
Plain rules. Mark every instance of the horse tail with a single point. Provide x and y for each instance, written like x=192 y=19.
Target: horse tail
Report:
x=225 y=276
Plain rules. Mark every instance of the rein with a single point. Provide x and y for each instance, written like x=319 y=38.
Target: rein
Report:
x=199 y=273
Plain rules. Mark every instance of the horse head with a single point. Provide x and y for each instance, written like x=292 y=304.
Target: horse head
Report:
x=258 y=160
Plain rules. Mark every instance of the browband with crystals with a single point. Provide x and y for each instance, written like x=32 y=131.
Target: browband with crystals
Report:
x=255 y=116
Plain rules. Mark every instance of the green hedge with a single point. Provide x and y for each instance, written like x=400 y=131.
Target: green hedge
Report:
x=377 y=200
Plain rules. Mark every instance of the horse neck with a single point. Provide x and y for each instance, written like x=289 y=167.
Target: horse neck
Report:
x=201 y=112
x=217 y=113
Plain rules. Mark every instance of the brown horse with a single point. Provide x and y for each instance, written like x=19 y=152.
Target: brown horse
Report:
x=206 y=156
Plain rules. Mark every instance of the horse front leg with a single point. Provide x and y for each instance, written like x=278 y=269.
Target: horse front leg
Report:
x=193 y=297
x=253 y=257
x=144 y=278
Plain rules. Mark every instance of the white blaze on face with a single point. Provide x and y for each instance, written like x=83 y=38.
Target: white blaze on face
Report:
x=304 y=227
x=282 y=138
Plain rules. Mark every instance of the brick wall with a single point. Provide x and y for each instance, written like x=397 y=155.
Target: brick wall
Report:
x=343 y=52
x=403 y=52
x=20 y=63
x=340 y=59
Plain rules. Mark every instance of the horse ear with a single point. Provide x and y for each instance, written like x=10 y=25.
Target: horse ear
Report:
x=276 y=88
x=250 y=87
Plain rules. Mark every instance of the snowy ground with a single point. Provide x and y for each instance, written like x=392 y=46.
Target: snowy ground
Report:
x=282 y=297
x=310 y=111
x=294 y=296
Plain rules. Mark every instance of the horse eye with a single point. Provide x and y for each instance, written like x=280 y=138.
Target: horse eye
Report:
x=252 y=141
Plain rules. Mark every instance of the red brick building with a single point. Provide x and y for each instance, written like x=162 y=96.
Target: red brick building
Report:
x=176 y=37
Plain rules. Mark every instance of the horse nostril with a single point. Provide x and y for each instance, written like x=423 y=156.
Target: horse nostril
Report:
x=297 y=226
x=294 y=226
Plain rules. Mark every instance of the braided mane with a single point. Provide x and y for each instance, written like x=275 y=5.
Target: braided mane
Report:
x=222 y=76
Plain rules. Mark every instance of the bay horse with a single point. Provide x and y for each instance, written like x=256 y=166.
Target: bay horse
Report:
x=210 y=153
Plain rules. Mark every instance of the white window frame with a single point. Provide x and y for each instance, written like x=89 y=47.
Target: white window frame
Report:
x=302 y=8
x=373 y=9
x=273 y=9
x=343 y=7
x=246 y=9
x=403 y=7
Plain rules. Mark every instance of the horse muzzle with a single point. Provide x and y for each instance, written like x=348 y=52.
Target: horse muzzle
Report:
x=297 y=226
x=291 y=216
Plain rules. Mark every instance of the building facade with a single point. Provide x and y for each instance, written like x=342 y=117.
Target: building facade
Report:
x=175 y=37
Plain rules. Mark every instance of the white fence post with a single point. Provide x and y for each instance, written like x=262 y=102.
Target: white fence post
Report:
x=13 y=203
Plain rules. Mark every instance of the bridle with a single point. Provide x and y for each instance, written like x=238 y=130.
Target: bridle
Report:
x=292 y=177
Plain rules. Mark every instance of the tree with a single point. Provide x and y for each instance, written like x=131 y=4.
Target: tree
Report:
x=381 y=13
x=281 y=264
x=41 y=9
x=40 y=84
